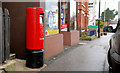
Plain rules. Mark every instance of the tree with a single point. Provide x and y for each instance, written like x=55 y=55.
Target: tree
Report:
x=109 y=15
x=101 y=23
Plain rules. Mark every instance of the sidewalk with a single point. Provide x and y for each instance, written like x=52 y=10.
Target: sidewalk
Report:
x=87 y=57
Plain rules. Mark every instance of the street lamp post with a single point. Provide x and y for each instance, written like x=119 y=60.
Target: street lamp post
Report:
x=99 y=21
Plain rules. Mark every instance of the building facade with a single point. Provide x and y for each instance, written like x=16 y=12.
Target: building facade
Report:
x=60 y=25
x=118 y=9
x=92 y=12
x=83 y=15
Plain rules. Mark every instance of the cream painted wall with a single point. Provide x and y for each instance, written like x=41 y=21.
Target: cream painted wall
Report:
x=92 y=12
x=119 y=9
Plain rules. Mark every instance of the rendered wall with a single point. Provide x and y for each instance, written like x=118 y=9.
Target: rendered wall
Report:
x=53 y=45
x=71 y=38
x=18 y=25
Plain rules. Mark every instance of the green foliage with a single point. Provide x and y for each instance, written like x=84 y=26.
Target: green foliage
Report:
x=86 y=36
x=109 y=15
x=101 y=23
x=93 y=37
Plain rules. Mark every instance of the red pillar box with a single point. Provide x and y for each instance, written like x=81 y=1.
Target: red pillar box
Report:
x=34 y=37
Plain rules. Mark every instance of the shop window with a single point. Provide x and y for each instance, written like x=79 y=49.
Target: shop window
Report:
x=51 y=18
x=64 y=12
x=73 y=19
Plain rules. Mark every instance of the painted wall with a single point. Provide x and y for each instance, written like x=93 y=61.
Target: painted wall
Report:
x=18 y=25
x=92 y=12
x=71 y=38
x=119 y=9
x=18 y=31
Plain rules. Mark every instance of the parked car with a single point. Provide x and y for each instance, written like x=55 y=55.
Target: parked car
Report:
x=108 y=29
x=114 y=51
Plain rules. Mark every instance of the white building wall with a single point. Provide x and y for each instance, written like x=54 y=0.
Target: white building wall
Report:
x=92 y=12
x=119 y=9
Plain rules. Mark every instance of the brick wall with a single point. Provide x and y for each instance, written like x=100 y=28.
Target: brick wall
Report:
x=83 y=15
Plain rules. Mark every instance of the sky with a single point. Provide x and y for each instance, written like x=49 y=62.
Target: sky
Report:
x=112 y=4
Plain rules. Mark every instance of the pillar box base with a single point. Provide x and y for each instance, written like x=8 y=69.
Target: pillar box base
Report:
x=34 y=58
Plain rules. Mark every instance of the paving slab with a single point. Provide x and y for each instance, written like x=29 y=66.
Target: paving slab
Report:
x=9 y=65
x=20 y=66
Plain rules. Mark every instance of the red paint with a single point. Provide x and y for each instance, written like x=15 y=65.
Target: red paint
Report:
x=64 y=26
x=34 y=28
x=93 y=23
x=45 y=33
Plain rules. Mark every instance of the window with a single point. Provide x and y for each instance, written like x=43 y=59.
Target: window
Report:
x=73 y=19
x=90 y=3
x=51 y=17
x=64 y=16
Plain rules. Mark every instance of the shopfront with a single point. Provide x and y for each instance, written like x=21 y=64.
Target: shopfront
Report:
x=51 y=18
x=69 y=23
x=60 y=26
x=53 y=40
